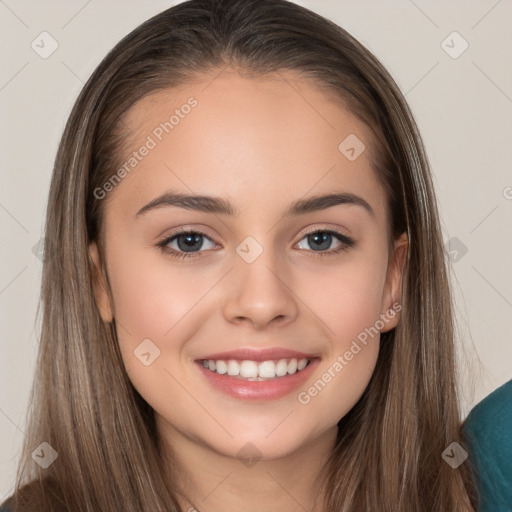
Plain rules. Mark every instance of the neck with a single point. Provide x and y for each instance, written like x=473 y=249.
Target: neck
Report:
x=213 y=482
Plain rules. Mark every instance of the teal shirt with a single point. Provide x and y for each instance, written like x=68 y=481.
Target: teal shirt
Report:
x=489 y=430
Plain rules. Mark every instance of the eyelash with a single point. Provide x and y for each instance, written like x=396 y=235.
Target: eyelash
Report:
x=346 y=243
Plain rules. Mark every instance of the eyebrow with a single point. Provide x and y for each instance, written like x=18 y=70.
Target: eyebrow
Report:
x=218 y=205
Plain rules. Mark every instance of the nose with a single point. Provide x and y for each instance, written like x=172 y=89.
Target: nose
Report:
x=259 y=294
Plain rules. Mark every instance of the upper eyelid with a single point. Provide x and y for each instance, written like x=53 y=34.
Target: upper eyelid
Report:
x=186 y=231
x=326 y=228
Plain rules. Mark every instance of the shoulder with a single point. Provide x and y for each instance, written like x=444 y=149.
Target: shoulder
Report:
x=488 y=429
x=7 y=506
x=498 y=403
x=30 y=496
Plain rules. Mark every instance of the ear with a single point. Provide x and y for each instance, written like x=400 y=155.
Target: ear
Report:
x=100 y=285
x=393 y=287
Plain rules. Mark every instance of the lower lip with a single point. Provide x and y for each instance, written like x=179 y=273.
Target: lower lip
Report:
x=258 y=390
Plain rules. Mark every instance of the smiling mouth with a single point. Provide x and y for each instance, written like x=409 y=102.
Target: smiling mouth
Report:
x=256 y=370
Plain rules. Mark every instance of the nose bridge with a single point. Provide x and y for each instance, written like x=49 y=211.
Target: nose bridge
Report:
x=259 y=293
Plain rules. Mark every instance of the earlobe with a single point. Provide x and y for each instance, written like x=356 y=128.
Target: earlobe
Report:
x=393 y=290
x=100 y=286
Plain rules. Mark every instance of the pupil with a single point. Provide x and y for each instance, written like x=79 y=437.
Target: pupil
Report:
x=317 y=238
x=189 y=241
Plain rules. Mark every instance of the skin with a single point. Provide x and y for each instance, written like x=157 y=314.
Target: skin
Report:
x=261 y=144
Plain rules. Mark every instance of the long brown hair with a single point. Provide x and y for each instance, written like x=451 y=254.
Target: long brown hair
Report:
x=388 y=452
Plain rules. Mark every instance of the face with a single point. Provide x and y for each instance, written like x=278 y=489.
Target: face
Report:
x=267 y=280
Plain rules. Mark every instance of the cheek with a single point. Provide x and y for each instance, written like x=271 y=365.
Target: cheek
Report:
x=156 y=299
x=347 y=298
x=153 y=305
x=152 y=295
x=338 y=385
x=348 y=302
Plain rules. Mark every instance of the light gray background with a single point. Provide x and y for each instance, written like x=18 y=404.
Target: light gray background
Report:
x=463 y=107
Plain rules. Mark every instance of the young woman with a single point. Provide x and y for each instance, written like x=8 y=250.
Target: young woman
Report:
x=245 y=299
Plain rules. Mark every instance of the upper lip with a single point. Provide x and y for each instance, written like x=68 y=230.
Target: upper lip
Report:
x=266 y=354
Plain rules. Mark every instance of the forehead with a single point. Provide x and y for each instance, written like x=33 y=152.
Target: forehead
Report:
x=274 y=136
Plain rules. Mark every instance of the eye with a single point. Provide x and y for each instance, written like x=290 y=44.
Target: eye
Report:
x=184 y=244
x=321 y=239
x=187 y=244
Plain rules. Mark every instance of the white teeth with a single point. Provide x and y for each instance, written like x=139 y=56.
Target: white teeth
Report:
x=233 y=368
x=248 y=369
x=281 y=368
x=267 y=369
x=222 y=367
x=253 y=370
x=292 y=366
